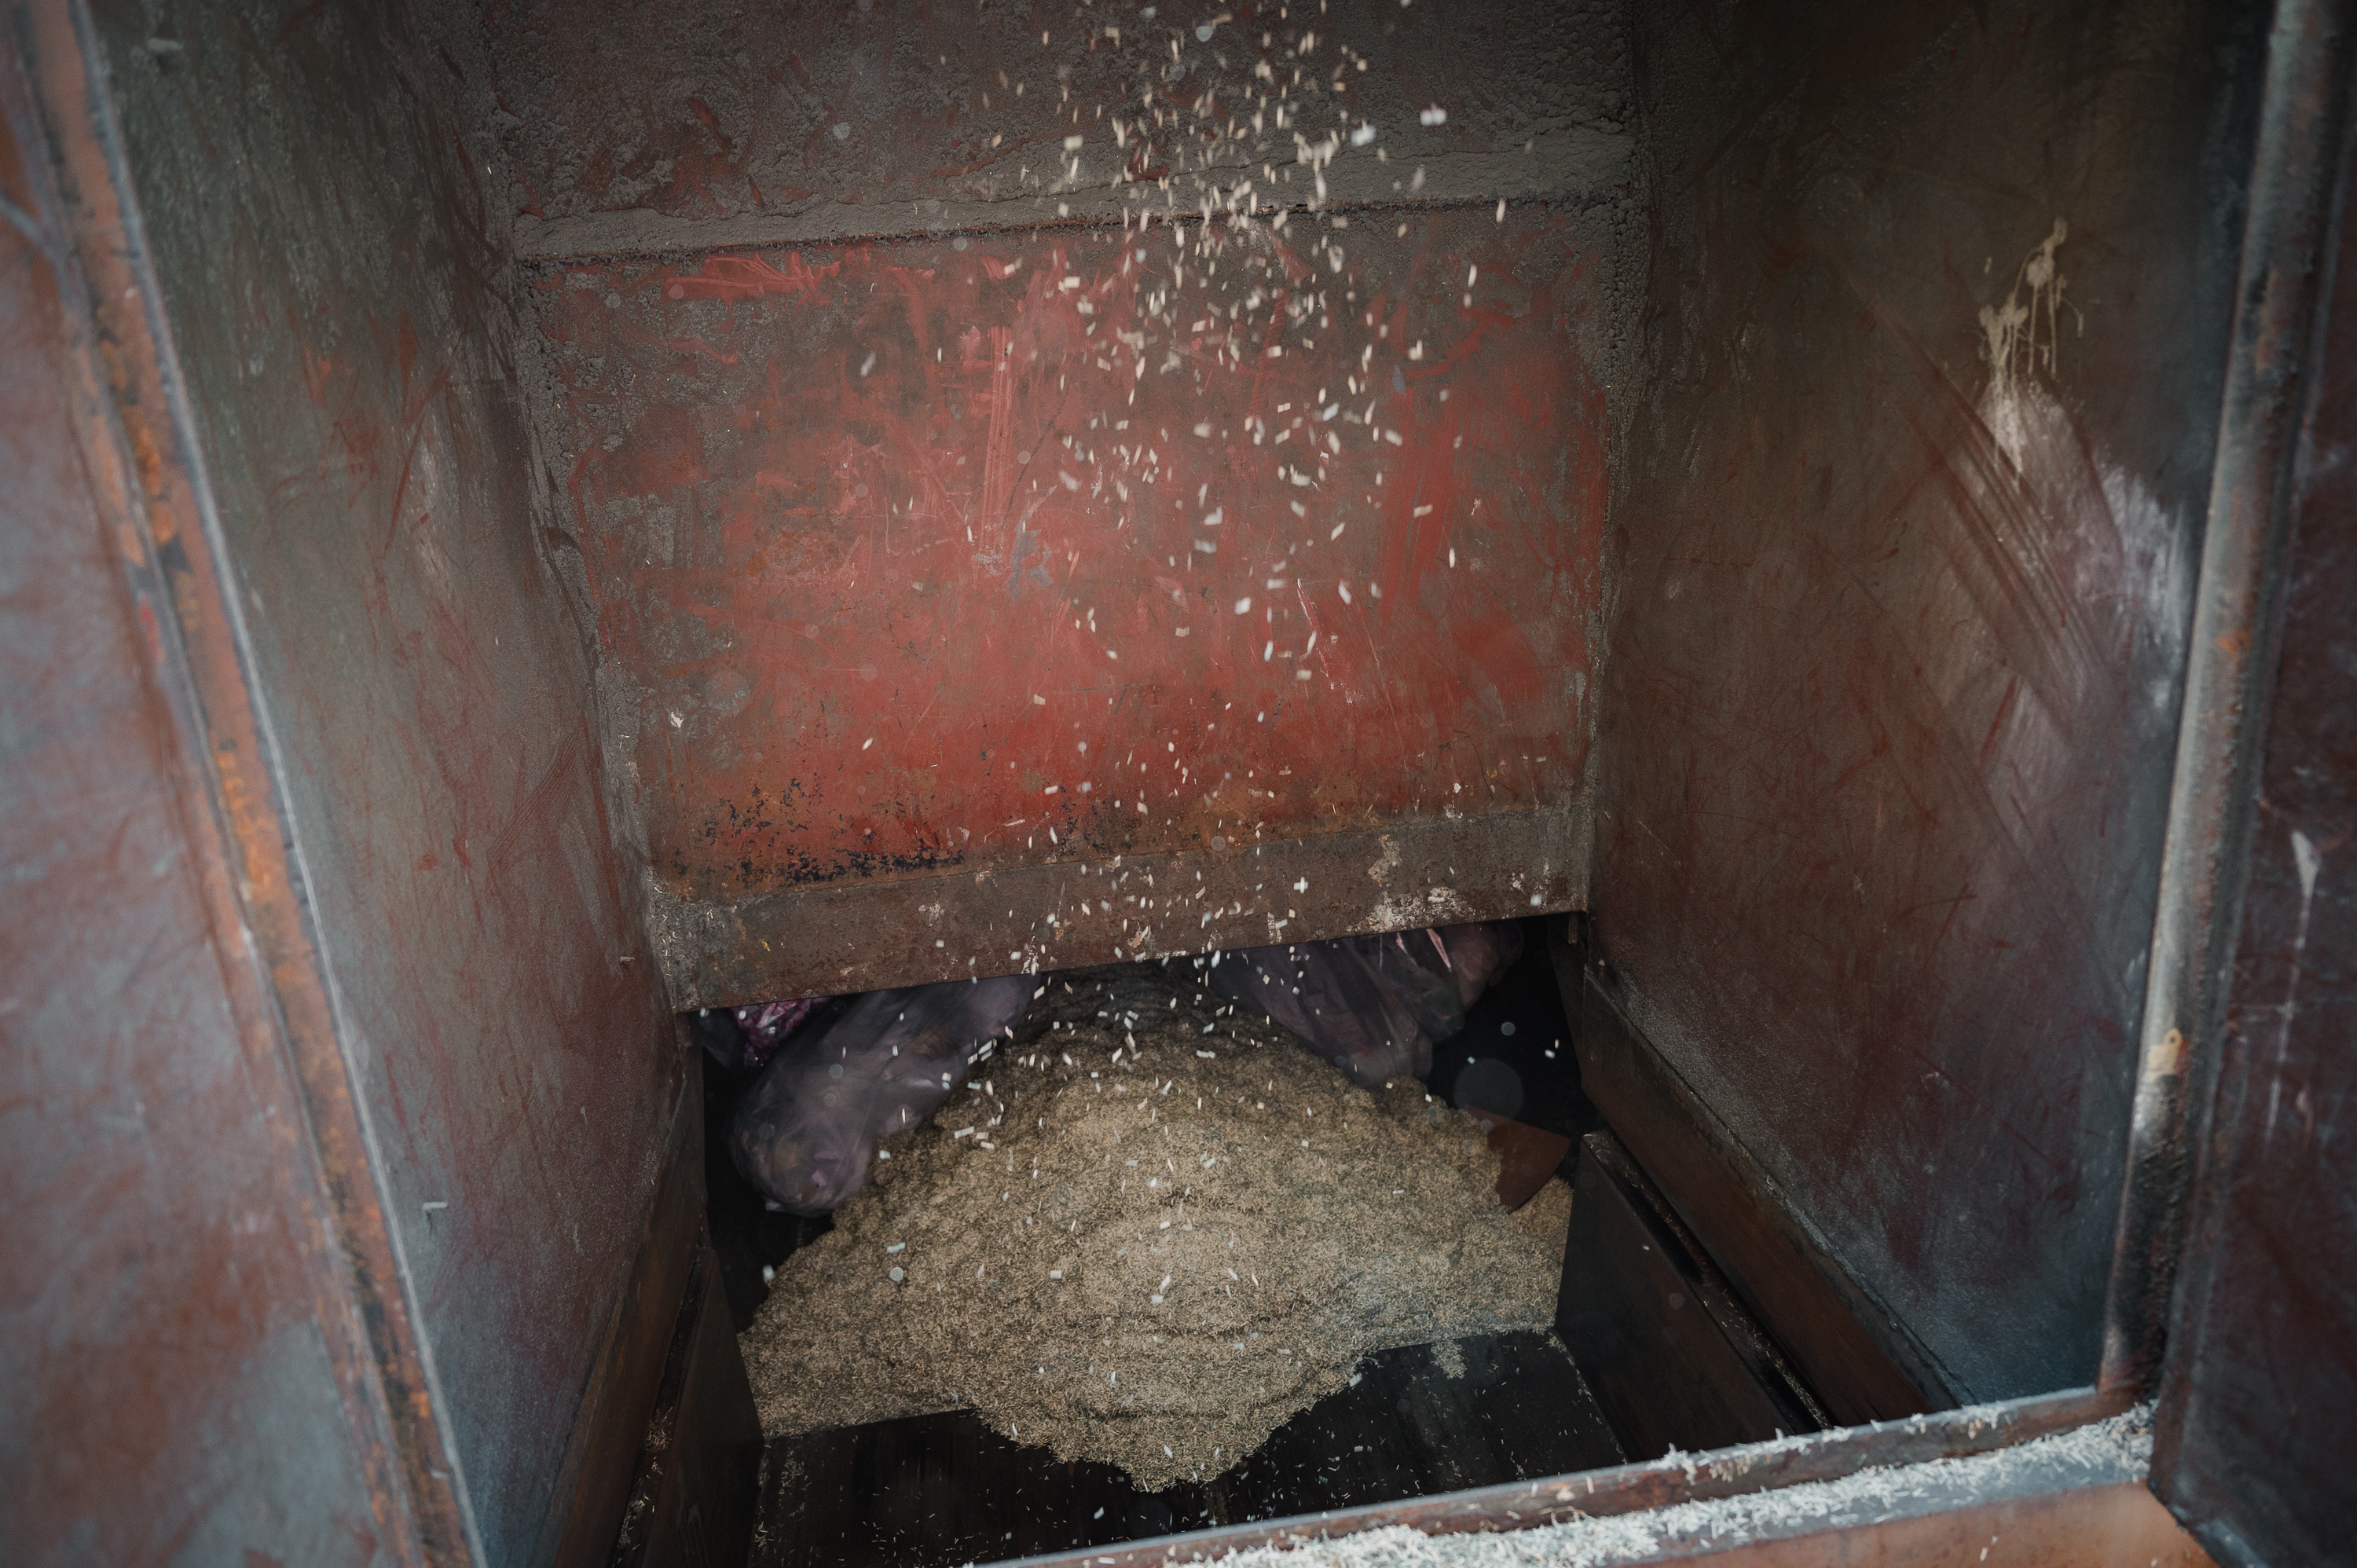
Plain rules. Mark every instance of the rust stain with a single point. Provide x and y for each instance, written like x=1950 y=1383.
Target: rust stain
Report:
x=352 y=1283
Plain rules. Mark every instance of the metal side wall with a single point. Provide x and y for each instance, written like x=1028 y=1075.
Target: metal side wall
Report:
x=2259 y=1401
x=329 y=244
x=1903 y=556
x=168 y=1362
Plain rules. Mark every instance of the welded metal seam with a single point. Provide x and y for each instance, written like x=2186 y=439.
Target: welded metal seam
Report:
x=225 y=698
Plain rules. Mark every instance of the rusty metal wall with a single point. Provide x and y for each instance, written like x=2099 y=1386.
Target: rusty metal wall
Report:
x=1904 y=555
x=326 y=229
x=167 y=1389
x=2258 y=1410
x=921 y=558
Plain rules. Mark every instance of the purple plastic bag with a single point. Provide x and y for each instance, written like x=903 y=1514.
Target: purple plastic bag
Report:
x=806 y=1132
x=1374 y=1006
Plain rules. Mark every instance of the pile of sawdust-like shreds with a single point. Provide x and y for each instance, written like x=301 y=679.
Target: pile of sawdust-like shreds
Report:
x=1149 y=1233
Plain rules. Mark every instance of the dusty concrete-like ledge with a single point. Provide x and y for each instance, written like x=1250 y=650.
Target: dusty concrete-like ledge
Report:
x=953 y=925
x=1573 y=164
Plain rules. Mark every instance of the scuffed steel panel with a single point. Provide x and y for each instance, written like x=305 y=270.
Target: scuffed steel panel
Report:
x=167 y=1389
x=862 y=935
x=639 y=129
x=2258 y=1411
x=333 y=279
x=952 y=554
x=1904 y=558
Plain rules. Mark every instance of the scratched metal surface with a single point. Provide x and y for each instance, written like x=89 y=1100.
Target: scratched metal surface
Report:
x=682 y=127
x=2258 y=1410
x=948 y=556
x=328 y=265
x=924 y=553
x=889 y=506
x=165 y=1388
x=1903 y=586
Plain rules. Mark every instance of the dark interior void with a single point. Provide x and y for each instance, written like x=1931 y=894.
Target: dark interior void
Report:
x=946 y=1489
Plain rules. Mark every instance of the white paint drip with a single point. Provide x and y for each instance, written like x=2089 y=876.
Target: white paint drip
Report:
x=2023 y=335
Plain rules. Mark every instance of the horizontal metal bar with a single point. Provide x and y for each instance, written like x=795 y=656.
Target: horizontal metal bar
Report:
x=864 y=936
x=1565 y=166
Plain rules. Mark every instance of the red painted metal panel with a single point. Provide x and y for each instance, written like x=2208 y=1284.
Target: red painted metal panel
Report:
x=993 y=550
x=458 y=946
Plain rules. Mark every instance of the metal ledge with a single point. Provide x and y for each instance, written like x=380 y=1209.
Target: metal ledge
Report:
x=840 y=938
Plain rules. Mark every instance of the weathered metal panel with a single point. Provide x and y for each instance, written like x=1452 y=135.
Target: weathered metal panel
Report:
x=169 y=1386
x=989 y=554
x=871 y=510
x=1250 y=892
x=1860 y=1363
x=729 y=122
x=693 y=1498
x=1674 y=1359
x=2258 y=1413
x=1904 y=556
x=626 y=1384
x=2280 y=299
x=330 y=269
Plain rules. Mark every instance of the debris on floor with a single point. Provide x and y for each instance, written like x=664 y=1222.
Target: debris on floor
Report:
x=1152 y=1230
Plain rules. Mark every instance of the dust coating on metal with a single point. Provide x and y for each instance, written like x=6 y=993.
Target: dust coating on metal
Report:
x=1251 y=892
x=2113 y=1453
x=731 y=125
x=1751 y=1481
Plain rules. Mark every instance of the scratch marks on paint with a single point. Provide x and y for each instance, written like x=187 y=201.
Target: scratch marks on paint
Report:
x=736 y=277
x=2309 y=861
x=1007 y=504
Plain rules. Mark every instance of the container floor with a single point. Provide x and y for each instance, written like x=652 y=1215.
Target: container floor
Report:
x=937 y=1491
